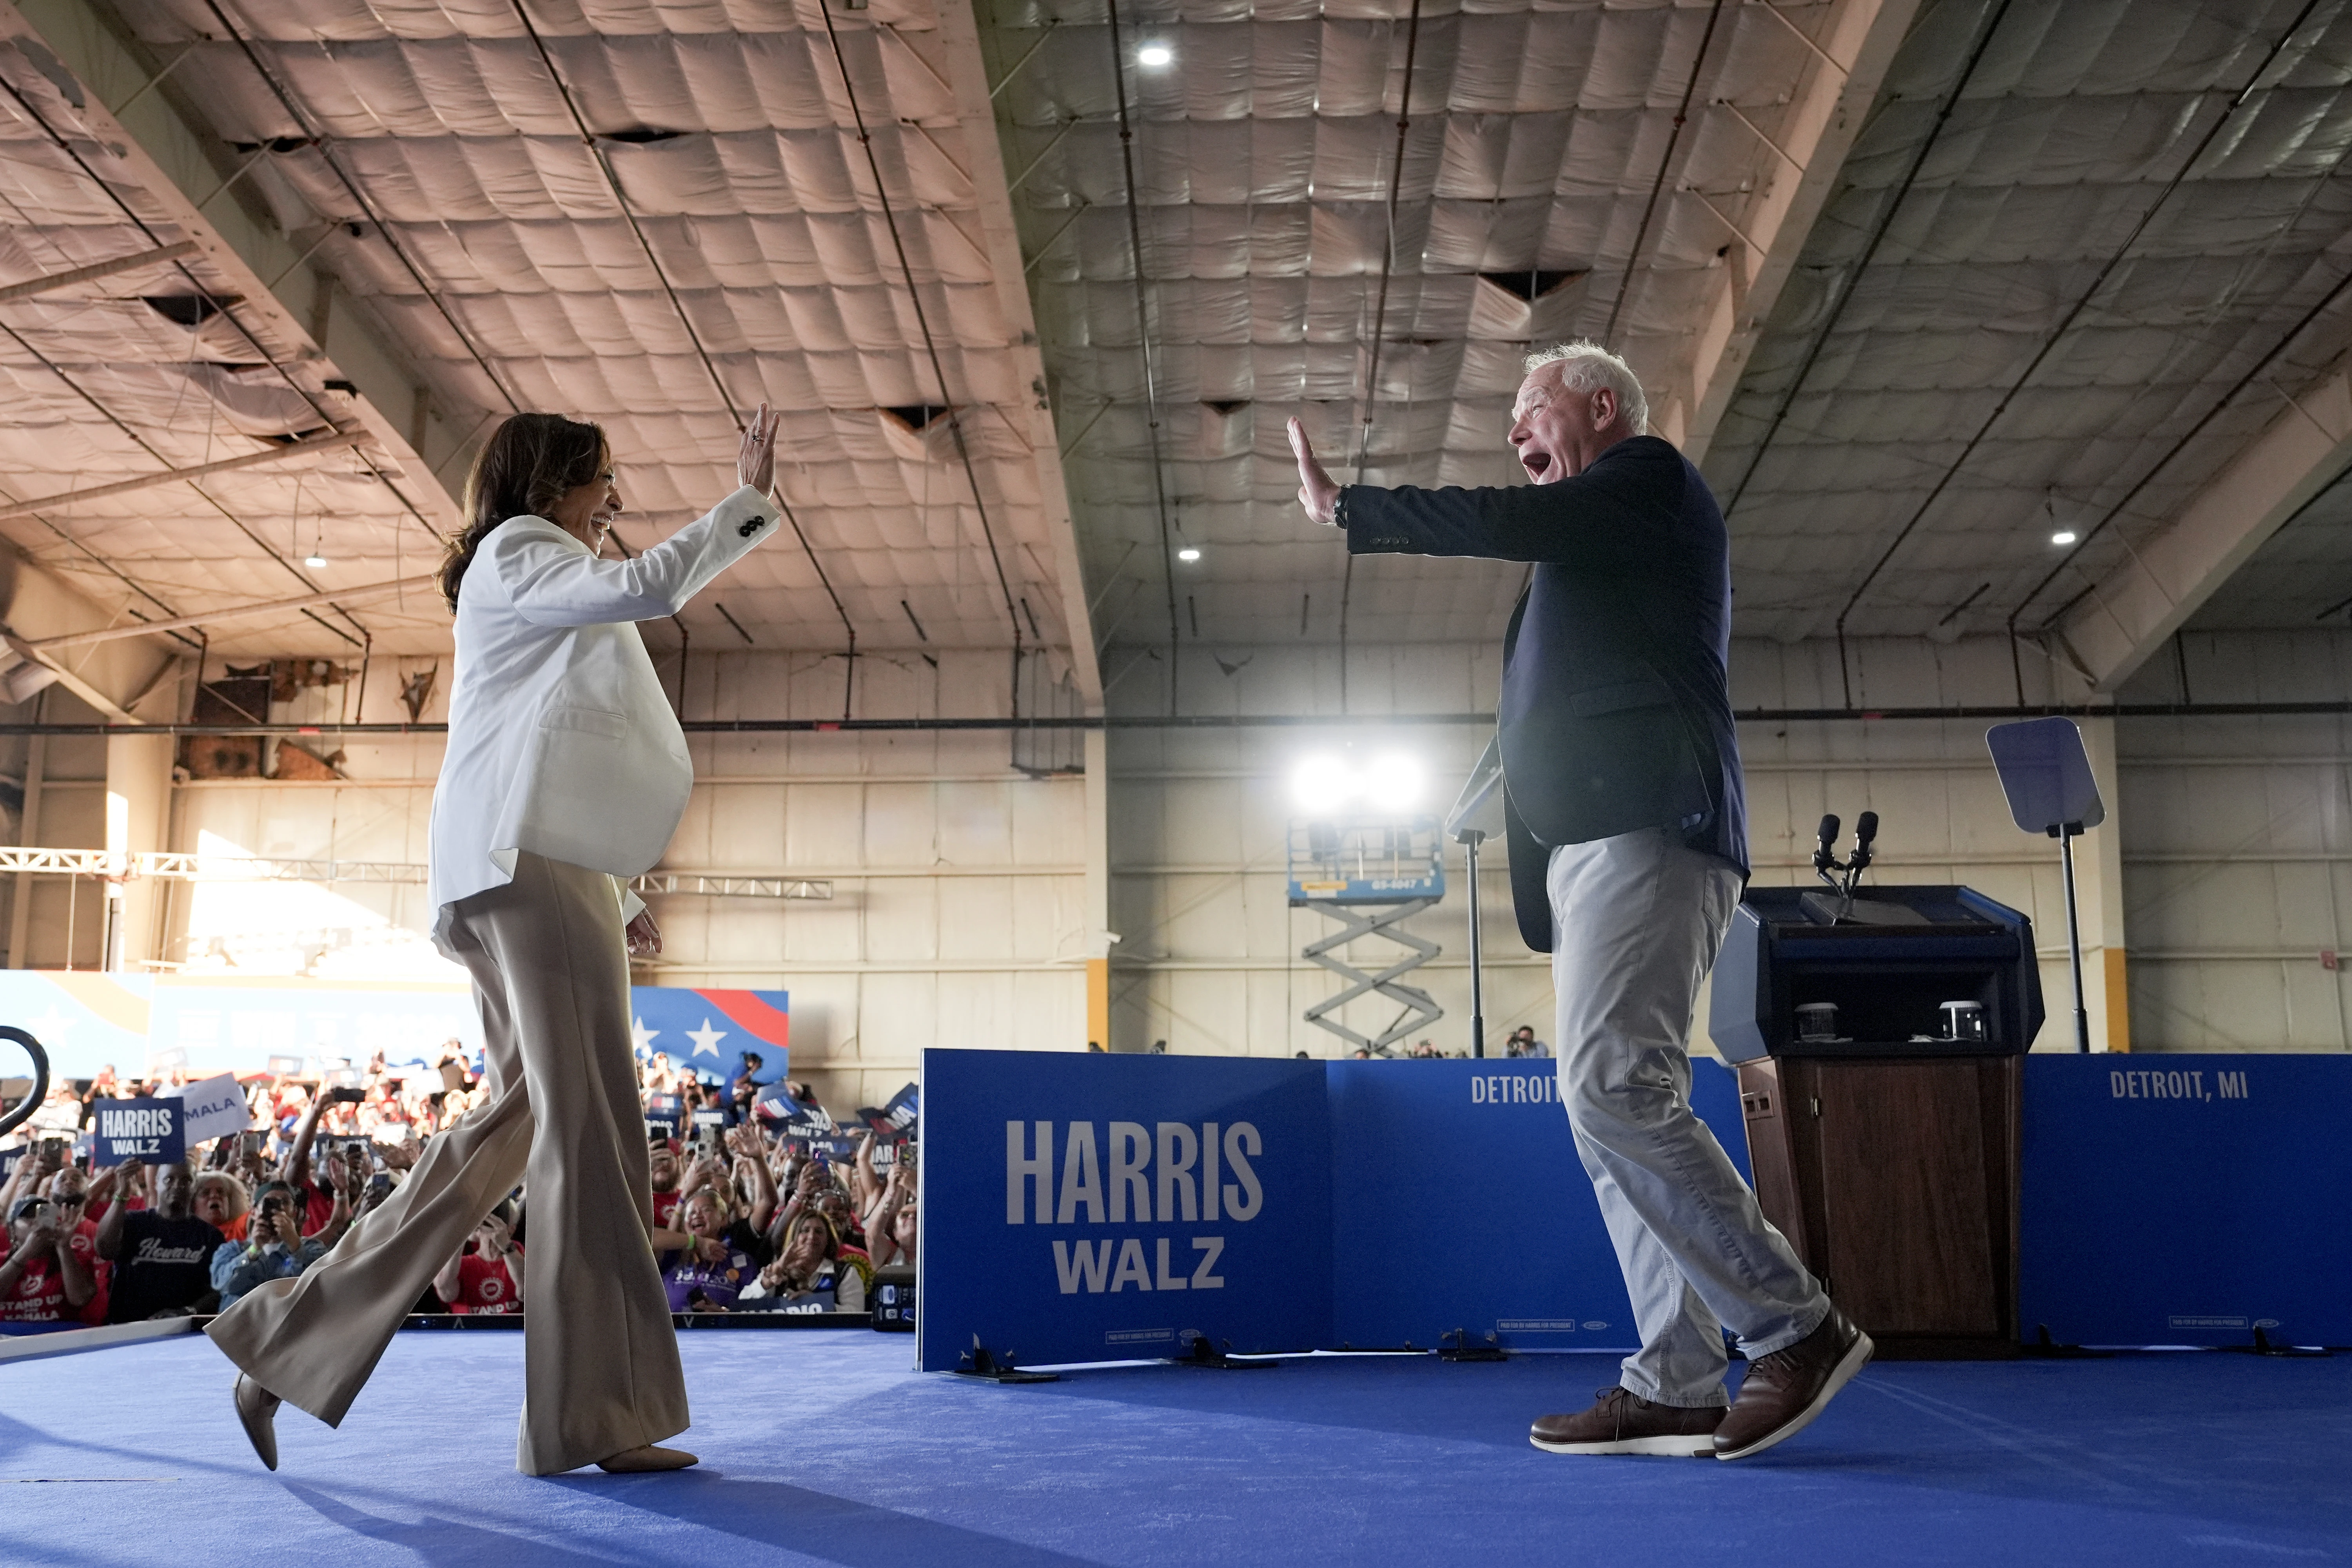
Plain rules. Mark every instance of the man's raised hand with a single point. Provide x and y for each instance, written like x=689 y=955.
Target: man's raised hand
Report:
x=1318 y=496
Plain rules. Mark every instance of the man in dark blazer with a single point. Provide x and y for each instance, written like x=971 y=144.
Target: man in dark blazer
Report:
x=1628 y=848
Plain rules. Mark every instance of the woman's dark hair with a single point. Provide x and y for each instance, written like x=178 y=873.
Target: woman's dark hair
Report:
x=522 y=470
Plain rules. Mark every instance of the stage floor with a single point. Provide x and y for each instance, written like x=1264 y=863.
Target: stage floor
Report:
x=822 y=1447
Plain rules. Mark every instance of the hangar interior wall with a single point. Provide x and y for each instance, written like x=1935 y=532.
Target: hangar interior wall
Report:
x=2213 y=900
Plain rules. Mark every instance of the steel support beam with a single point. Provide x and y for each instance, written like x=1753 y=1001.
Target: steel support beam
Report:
x=155 y=257
x=958 y=38
x=334 y=442
x=181 y=168
x=232 y=613
x=2164 y=580
x=1854 y=49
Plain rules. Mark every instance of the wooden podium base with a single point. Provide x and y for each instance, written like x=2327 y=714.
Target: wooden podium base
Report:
x=1895 y=1180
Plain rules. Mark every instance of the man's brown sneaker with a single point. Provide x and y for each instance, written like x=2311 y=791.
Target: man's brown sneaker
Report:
x=1625 y=1423
x=1784 y=1390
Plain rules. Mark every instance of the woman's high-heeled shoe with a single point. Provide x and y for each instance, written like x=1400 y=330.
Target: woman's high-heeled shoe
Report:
x=256 y=1412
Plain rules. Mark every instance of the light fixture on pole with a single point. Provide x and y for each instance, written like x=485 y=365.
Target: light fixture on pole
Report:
x=1477 y=816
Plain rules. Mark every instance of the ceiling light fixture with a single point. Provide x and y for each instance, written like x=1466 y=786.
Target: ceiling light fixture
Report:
x=2064 y=536
x=1189 y=552
x=314 y=561
x=1152 y=57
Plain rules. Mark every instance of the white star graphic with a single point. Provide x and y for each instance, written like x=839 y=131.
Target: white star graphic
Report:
x=706 y=1038
x=51 y=1024
x=641 y=1039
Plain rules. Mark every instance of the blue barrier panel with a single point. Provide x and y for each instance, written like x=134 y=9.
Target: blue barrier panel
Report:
x=1459 y=1202
x=1101 y=1207
x=2186 y=1199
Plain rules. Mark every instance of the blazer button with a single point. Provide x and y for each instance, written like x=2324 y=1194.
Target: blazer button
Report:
x=750 y=528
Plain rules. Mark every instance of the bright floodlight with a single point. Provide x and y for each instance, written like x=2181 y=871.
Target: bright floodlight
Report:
x=1154 y=55
x=1393 y=782
x=1322 y=783
x=1188 y=553
x=2064 y=536
x=314 y=561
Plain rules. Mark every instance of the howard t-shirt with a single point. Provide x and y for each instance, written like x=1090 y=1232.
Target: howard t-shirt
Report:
x=165 y=1263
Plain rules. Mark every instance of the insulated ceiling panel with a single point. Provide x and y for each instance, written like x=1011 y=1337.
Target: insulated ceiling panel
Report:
x=2077 y=257
x=165 y=367
x=652 y=216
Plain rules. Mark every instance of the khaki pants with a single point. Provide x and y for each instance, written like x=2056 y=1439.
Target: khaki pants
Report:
x=600 y=1364
x=1639 y=920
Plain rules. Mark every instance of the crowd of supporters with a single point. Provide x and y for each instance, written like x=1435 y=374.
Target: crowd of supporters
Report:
x=760 y=1202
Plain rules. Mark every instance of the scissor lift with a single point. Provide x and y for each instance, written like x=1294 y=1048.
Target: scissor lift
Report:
x=1369 y=874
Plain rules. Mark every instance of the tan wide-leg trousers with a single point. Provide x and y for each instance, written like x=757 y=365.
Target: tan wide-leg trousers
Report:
x=601 y=1366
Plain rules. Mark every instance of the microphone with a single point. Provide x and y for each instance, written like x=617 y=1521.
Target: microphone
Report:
x=1866 y=829
x=1825 y=853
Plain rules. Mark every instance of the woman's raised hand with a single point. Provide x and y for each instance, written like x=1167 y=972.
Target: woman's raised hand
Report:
x=755 y=462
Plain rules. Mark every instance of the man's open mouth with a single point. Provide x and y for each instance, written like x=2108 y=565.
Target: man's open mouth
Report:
x=1536 y=463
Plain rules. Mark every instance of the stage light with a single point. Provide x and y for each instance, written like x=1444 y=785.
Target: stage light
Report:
x=2064 y=536
x=1152 y=57
x=1189 y=552
x=1322 y=783
x=314 y=560
x=1392 y=782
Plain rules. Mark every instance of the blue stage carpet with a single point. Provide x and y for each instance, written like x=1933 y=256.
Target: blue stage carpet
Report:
x=822 y=1447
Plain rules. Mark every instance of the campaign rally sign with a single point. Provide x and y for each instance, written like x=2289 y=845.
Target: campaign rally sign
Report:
x=212 y=1109
x=1086 y=1207
x=2184 y=1199
x=145 y=1130
x=1526 y=1259
x=896 y=1121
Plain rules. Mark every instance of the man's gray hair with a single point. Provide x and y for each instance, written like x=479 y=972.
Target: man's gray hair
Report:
x=1588 y=367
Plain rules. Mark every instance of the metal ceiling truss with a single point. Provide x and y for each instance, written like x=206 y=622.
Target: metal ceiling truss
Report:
x=77 y=49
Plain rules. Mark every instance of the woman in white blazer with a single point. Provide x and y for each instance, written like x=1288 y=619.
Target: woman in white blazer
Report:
x=565 y=776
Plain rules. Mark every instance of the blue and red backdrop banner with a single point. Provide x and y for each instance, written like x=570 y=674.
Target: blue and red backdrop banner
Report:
x=707 y=1030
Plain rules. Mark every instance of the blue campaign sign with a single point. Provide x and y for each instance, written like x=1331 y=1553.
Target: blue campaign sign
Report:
x=2185 y=1199
x=146 y=1130
x=1459 y=1203
x=1085 y=1207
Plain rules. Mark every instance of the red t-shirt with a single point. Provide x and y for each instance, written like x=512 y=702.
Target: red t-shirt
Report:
x=486 y=1286
x=665 y=1205
x=318 y=1207
x=84 y=1241
x=39 y=1296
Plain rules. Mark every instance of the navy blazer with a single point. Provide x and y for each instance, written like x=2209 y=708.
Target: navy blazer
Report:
x=1616 y=708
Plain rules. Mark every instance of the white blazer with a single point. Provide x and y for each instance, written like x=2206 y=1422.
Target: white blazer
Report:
x=561 y=741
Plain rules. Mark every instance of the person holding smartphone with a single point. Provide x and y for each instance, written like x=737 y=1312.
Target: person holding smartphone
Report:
x=42 y=1279
x=565 y=774
x=274 y=1247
